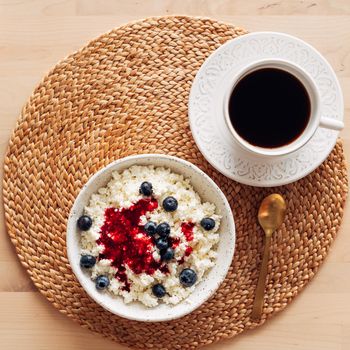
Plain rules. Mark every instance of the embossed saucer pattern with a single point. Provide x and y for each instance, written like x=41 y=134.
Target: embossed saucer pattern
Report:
x=207 y=119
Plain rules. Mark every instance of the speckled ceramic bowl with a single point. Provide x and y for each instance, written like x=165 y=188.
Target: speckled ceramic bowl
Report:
x=208 y=191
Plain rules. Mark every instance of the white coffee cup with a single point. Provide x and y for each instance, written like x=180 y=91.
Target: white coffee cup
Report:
x=316 y=120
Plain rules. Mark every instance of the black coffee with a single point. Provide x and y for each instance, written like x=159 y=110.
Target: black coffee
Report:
x=269 y=108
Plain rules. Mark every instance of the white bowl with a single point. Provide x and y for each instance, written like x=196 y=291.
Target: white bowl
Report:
x=208 y=191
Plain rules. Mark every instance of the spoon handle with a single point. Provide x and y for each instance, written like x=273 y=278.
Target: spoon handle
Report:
x=259 y=293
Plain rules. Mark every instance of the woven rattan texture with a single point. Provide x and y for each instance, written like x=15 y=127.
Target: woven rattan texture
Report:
x=126 y=93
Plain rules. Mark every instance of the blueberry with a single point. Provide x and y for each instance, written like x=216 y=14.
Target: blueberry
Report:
x=146 y=188
x=162 y=243
x=102 y=282
x=170 y=204
x=167 y=254
x=150 y=228
x=84 y=222
x=163 y=229
x=188 y=277
x=87 y=261
x=208 y=223
x=158 y=290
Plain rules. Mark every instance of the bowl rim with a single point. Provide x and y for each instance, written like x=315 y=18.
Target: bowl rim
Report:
x=137 y=158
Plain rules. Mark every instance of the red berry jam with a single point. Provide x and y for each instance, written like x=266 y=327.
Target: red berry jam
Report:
x=175 y=242
x=188 y=252
x=187 y=230
x=126 y=243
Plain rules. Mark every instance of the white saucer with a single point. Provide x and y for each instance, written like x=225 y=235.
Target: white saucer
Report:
x=207 y=119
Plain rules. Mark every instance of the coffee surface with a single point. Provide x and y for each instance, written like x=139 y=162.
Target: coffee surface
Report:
x=269 y=108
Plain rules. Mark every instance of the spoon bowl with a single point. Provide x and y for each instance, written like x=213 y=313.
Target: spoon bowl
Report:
x=271 y=213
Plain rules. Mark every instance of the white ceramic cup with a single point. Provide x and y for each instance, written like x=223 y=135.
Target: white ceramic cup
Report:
x=316 y=119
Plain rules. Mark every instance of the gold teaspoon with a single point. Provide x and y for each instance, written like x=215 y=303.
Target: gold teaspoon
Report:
x=271 y=215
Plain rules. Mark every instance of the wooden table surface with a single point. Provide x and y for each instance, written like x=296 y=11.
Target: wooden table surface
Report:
x=35 y=34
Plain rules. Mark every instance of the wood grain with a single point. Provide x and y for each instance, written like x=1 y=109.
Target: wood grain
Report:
x=34 y=35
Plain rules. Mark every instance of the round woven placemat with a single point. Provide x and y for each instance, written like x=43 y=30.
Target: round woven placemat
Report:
x=126 y=93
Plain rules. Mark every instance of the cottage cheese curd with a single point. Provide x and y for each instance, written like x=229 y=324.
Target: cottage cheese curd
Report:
x=134 y=266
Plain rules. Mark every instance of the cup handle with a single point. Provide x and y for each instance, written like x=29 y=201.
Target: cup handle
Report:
x=332 y=124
